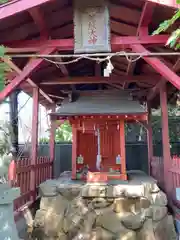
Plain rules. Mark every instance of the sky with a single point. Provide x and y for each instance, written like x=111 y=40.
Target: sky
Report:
x=25 y=118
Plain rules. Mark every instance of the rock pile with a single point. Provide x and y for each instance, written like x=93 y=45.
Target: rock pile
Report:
x=125 y=211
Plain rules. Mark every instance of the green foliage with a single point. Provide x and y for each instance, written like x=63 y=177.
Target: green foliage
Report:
x=64 y=133
x=173 y=39
x=3 y=1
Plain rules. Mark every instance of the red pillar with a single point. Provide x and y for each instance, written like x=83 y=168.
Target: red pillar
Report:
x=52 y=141
x=149 y=138
x=123 y=150
x=165 y=138
x=34 y=141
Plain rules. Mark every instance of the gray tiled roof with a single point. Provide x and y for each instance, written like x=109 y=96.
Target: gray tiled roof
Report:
x=101 y=102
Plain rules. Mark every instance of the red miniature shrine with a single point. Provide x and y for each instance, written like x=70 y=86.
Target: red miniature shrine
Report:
x=98 y=127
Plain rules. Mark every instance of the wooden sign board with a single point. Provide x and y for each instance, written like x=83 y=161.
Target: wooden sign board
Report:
x=91 y=26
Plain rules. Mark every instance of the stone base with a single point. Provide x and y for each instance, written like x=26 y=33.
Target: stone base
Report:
x=74 y=210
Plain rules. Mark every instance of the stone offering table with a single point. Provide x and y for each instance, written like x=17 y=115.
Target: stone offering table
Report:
x=7 y=225
x=136 y=209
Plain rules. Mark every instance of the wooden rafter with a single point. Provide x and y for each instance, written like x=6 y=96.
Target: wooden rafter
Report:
x=159 y=66
x=19 y=71
x=142 y=30
x=38 y=18
x=107 y=80
x=16 y=7
x=145 y=19
x=154 y=91
x=28 y=69
x=68 y=44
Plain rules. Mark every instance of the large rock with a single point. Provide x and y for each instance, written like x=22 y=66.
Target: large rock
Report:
x=100 y=234
x=126 y=234
x=74 y=215
x=48 y=189
x=134 y=221
x=164 y=229
x=142 y=203
x=49 y=219
x=94 y=190
x=69 y=191
x=111 y=222
x=158 y=213
x=100 y=203
x=159 y=199
x=125 y=205
x=147 y=231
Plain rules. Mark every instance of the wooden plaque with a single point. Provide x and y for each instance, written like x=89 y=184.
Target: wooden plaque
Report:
x=91 y=26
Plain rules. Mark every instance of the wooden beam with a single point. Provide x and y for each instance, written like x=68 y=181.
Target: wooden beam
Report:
x=54 y=96
x=117 y=43
x=154 y=91
x=28 y=69
x=39 y=20
x=19 y=71
x=145 y=19
x=142 y=30
x=91 y=80
x=159 y=66
x=15 y=7
x=177 y=66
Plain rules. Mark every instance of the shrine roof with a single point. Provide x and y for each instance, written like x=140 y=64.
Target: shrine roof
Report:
x=101 y=102
x=27 y=23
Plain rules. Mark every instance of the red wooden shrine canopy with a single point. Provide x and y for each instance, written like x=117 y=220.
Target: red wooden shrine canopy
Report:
x=46 y=27
x=98 y=125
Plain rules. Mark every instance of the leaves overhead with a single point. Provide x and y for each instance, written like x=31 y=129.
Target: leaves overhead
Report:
x=173 y=40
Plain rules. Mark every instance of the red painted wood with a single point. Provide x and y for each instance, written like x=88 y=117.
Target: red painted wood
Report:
x=122 y=147
x=101 y=118
x=16 y=7
x=87 y=147
x=18 y=71
x=154 y=91
x=157 y=170
x=165 y=137
x=145 y=19
x=39 y=20
x=117 y=43
x=149 y=138
x=159 y=66
x=34 y=138
x=112 y=144
x=153 y=78
x=24 y=171
x=28 y=69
